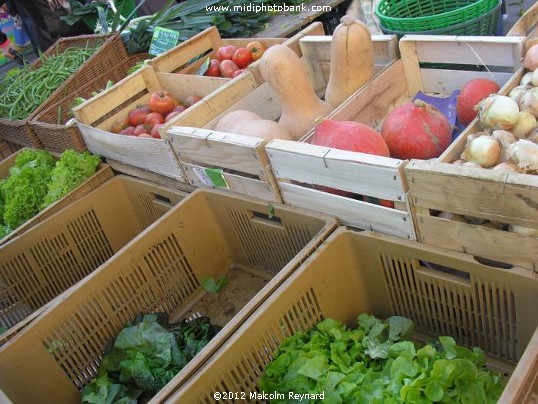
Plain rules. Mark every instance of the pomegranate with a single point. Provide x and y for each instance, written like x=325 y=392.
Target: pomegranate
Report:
x=416 y=130
x=470 y=95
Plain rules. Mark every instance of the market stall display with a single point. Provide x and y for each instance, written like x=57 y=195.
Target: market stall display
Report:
x=177 y=266
x=445 y=295
x=93 y=54
x=239 y=162
x=68 y=179
x=61 y=250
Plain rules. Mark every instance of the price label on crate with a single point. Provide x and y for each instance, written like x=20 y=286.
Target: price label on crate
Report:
x=163 y=40
x=212 y=177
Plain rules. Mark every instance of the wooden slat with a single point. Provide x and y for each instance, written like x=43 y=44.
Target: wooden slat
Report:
x=468 y=50
x=98 y=106
x=221 y=149
x=107 y=123
x=526 y=25
x=151 y=154
x=183 y=85
x=237 y=183
x=361 y=173
x=497 y=196
x=480 y=241
x=199 y=114
x=350 y=212
x=446 y=81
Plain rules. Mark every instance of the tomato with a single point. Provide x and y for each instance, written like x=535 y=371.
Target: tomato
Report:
x=191 y=100
x=227 y=68
x=237 y=73
x=145 y=135
x=242 y=57
x=179 y=108
x=171 y=115
x=226 y=52
x=257 y=49
x=153 y=119
x=155 y=131
x=138 y=115
x=162 y=102
x=119 y=125
x=140 y=129
x=128 y=131
x=213 y=69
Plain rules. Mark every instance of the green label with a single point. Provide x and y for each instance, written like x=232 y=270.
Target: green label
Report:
x=163 y=40
x=217 y=177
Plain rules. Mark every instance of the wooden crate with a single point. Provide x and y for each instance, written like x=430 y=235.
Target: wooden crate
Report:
x=495 y=196
x=95 y=117
x=299 y=165
x=240 y=162
x=526 y=25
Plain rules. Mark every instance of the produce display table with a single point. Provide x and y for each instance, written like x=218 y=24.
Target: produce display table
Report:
x=284 y=24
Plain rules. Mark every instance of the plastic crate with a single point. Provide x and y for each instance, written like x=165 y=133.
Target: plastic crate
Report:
x=102 y=174
x=485 y=25
x=110 y=52
x=54 y=126
x=211 y=233
x=40 y=264
x=444 y=293
x=426 y=15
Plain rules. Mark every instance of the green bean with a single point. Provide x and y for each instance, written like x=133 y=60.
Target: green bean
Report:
x=24 y=91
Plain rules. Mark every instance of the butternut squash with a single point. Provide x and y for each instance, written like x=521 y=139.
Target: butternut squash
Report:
x=251 y=124
x=285 y=72
x=352 y=60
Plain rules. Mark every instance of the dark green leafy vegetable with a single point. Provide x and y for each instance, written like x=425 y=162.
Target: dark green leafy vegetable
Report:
x=376 y=363
x=145 y=356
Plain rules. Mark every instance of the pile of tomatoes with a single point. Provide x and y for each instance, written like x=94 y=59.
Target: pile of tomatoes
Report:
x=231 y=60
x=145 y=120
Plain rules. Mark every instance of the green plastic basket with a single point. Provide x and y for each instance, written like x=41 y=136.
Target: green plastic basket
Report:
x=427 y=15
x=486 y=25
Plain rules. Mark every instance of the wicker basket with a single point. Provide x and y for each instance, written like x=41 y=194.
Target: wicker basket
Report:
x=111 y=52
x=7 y=149
x=51 y=126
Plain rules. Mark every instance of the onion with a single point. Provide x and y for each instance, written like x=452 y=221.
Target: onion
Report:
x=446 y=215
x=526 y=80
x=458 y=162
x=526 y=231
x=471 y=164
x=517 y=92
x=533 y=135
x=525 y=123
x=531 y=58
x=529 y=101
x=525 y=154
x=473 y=220
x=510 y=167
x=484 y=150
x=534 y=78
x=505 y=138
x=498 y=112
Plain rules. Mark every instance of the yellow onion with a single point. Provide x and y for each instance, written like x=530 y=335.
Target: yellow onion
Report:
x=505 y=138
x=529 y=101
x=458 y=162
x=526 y=80
x=531 y=58
x=471 y=164
x=526 y=231
x=525 y=123
x=509 y=167
x=498 y=112
x=524 y=153
x=534 y=78
x=517 y=92
x=484 y=150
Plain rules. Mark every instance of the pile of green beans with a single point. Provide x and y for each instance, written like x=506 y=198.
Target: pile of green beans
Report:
x=24 y=90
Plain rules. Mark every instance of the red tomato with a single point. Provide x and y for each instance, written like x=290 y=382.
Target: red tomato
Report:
x=171 y=115
x=242 y=57
x=227 y=68
x=153 y=119
x=191 y=100
x=237 y=73
x=138 y=115
x=128 y=131
x=155 y=131
x=226 y=52
x=213 y=69
x=119 y=125
x=140 y=129
x=256 y=48
x=162 y=102
x=179 y=108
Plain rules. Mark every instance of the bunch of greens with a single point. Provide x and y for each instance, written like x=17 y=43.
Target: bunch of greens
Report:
x=377 y=363
x=36 y=180
x=145 y=356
